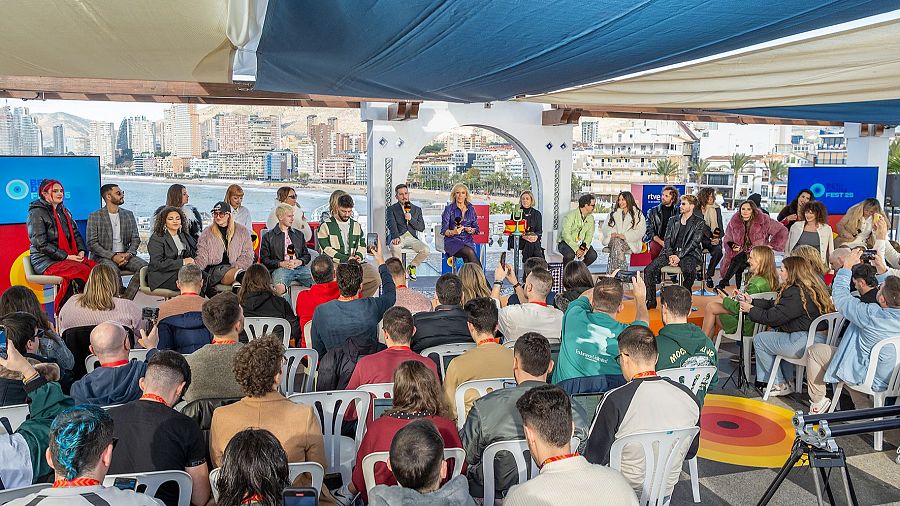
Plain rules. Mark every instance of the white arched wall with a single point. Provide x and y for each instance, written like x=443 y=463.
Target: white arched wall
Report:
x=393 y=145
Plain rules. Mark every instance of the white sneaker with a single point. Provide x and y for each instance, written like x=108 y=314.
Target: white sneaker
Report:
x=818 y=408
x=781 y=389
x=343 y=497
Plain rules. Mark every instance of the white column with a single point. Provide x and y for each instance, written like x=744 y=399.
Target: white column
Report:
x=869 y=151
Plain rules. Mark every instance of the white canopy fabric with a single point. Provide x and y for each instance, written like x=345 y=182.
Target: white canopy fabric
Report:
x=159 y=40
x=853 y=62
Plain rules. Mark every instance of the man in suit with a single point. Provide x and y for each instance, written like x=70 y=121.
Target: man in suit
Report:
x=404 y=221
x=112 y=236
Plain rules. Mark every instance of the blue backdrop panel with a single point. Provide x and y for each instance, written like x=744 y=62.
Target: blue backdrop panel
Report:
x=876 y=111
x=21 y=176
x=650 y=195
x=836 y=187
x=476 y=51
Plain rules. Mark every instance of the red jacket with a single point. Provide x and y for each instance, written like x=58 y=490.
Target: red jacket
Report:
x=308 y=300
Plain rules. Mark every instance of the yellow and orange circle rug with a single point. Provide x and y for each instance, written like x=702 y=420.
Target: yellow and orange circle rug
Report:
x=745 y=432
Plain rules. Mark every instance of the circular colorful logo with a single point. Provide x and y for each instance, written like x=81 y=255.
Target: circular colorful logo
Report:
x=745 y=432
x=17 y=189
x=817 y=190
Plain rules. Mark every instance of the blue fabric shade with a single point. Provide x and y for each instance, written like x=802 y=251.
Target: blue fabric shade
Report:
x=876 y=111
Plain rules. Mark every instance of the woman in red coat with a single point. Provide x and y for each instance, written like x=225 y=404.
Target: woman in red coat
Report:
x=417 y=394
x=748 y=228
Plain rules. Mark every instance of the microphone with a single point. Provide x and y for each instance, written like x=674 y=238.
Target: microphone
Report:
x=407 y=208
x=290 y=251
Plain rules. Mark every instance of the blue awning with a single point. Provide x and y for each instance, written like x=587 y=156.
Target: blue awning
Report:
x=877 y=111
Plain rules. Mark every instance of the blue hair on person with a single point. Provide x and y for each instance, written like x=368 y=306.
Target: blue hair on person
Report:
x=72 y=427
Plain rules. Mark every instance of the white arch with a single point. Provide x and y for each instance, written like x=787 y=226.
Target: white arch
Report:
x=393 y=145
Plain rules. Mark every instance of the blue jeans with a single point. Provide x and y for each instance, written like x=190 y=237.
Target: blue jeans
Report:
x=771 y=343
x=287 y=276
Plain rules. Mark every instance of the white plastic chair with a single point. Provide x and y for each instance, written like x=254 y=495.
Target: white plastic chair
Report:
x=482 y=386
x=747 y=345
x=91 y=361
x=149 y=483
x=330 y=407
x=697 y=379
x=16 y=413
x=551 y=239
x=378 y=390
x=526 y=467
x=446 y=353
x=292 y=366
x=368 y=464
x=835 y=323
x=893 y=383
x=41 y=279
x=295 y=469
x=663 y=451
x=18 y=493
x=307 y=333
x=257 y=326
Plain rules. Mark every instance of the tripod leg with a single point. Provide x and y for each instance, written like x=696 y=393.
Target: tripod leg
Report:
x=827 y=485
x=848 y=486
x=818 y=486
x=797 y=451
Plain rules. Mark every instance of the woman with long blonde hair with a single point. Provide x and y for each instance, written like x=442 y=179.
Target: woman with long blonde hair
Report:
x=802 y=298
x=459 y=225
x=100 y=303
x=224 y=249
x=811 y=255
x=722 y=314
x=530 y=240
x=856 y=227
x=474 y=284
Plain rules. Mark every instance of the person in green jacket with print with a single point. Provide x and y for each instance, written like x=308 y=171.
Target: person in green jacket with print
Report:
x=577 y=232
x=724 y=313
x=683 y=344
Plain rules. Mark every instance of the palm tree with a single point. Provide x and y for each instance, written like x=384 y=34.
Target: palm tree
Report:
x=737 y=163
x=700 y=167
x=666 y=168
x=894 y=157
x=778 y=173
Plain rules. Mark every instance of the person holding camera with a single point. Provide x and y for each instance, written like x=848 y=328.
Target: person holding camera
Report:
x=681 y=249
x=283 y=251
x=577 y=232
x=404 y=223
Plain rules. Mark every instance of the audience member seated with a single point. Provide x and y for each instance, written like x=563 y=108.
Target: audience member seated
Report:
x=19 y=332
x=234 y=195
x=257 y=368
x=448 y=323
x=154 y=437
x=748 y=227
x=416 y=459
x=287 y=195
x=50 y=345
x=494 y=417
x=324 y=290
x=99 y=303
x=576 y=280
x=812 y=256
x=258 y=299
x=474 y=283
x=351 y=315
x=211 y=374
x=57 y=248
x=404 y=223
x=224 y=249
x=528 y=266
x=646 y=403
x=177 y=197
x=865 y=282
x=116 y=380
x=683 y=344
x=341 y=238
x=869 y=324
x=590 y=331
x=488 y=359
x=883 y=246
x=408 y=298
x=31 y=439
x=623 y=231
x=254 y=470
x=417 y=395
x=682 y=248
x=535 y=315
x=113 y=239
x=577 y=232
x=802 y=298
x=81 y=447
x=179 y=325
x=813 y=230
x=856 y=228
x=546 y=413
x=170 y=247
x=283 y=251
x=723 y=312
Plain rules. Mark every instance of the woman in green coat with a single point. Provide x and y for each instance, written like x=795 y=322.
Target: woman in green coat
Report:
x=723 y=313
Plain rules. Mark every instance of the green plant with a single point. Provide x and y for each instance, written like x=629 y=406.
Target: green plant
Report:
x=737 y=163
x=893 y=165
x=778 y=173
x=700 y=167
x=666 y=168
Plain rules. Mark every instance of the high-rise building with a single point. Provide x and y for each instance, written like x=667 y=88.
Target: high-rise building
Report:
x=306 y=157
x=6 y=131
x=59 y=140
x=19 y=133
x=102 y=138
x=136 y=134
x=589 y=132
x=337 y=168
x=280 y=165
x=181 y=137
x=232 y=133
x=265 y=133
x=322 y=136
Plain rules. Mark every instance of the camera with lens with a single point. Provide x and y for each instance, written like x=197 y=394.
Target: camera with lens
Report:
x=867 y=256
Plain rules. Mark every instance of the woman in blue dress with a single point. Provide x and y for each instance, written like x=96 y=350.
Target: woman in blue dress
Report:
x=459 y=224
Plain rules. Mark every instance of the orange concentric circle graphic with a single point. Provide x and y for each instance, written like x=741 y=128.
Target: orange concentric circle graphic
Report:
x=745 y=432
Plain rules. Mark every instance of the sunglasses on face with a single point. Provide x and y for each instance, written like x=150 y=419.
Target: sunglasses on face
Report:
x=221 y=214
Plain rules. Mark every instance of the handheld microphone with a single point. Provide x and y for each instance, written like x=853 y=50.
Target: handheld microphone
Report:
x=290 y=251
x=407 y=208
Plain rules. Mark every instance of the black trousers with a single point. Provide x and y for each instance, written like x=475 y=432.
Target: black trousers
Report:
x=569 y=254
x=652 y=273
x=715 y=256
x=467 y=255
x=736 y=268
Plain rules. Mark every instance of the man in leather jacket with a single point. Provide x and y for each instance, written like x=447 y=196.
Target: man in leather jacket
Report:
x=682 y=248
x=494 y=417
x=657 y=220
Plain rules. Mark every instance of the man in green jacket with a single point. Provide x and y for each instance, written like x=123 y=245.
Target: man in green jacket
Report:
x=683 y=344
x=578 y=232
x=341 y=238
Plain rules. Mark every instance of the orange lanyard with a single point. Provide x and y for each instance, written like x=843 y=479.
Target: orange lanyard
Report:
x=154 y=398
x=558 y=457
x=114 y=364
x=645 y=374
x=488 y=340
x=77 y=482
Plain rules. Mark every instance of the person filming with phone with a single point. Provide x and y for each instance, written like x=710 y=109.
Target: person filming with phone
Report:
x=404 y=224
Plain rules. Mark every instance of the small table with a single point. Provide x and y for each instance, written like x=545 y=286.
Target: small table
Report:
x=656 y=323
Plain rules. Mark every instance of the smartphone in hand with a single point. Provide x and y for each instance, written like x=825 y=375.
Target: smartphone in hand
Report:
x=371 y=242
x=503 y=260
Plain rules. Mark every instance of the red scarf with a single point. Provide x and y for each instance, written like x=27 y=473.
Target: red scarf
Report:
x=66 y=242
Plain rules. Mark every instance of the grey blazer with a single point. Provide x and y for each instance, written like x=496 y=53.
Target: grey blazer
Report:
x=397 y=225
x=99 y=233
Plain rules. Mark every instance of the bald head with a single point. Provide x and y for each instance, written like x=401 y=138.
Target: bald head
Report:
x=109 y=342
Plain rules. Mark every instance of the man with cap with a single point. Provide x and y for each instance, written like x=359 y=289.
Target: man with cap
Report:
x=224 y=249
